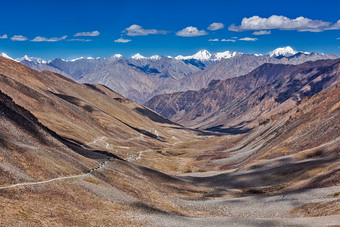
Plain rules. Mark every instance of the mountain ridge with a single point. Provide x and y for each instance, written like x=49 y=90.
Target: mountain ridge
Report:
x=222 y=101
x=200 y=55
x=165 y=74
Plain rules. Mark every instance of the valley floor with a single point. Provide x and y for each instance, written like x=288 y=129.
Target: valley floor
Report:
x=98 y=203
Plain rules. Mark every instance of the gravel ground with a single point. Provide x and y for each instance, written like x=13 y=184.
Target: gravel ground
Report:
x=251 y=211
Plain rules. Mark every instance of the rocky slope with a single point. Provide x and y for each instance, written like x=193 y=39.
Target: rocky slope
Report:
x=241 y=101
x=283 y=172
x=137 y=79
x=41 y=67
x=27 y=147
x=92 y=116
x=238 y=65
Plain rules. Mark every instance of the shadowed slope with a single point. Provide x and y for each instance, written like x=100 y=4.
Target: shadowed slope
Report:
x=242 y=101
x=30 y=151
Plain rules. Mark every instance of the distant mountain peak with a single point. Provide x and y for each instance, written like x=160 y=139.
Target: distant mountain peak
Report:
x=155 y=57
x=76 y=59
x=226 y=54
x=118 y=56
x=202 y=55
x=82 y=58
x=5 y=56
x=138 y=56
x=26 y=58
x=283 y=51
x=32 y=59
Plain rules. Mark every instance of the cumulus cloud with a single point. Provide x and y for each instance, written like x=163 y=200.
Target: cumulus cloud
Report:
x=121 y=40
x=213 y=40
x=248 y=39
x=137 y=30
x=215 y=26
x=191 y=32
x=335 y=26
x=228 y=40
x=280 y=22
x=263 y=32
x=80 y=40
x=19 y=38
x=94 y=33
x=44 y=39
x=4 y=36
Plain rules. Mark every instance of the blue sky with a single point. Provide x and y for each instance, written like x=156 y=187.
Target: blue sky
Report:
x=70 y=29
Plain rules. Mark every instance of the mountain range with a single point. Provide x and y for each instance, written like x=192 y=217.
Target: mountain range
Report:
x=235 y=103
x=140 y=78
x=77 y=154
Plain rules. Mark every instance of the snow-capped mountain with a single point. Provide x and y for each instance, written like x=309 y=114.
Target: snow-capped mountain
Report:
x=282 y=52
x=200 y=55
x=117 y=56
x=138 y=56
x=33 y=59
x=204 y=55
x=223 y=55
x=5 y=56
x=82 y=58
x=155 y=57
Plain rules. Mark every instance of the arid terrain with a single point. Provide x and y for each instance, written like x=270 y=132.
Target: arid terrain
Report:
x=82 y=155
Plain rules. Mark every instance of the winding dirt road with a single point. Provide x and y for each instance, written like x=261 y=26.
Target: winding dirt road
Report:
x=102 y=164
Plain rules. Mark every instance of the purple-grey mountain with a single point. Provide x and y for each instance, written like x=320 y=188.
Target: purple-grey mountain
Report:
x=239 y=103
x=140 y=78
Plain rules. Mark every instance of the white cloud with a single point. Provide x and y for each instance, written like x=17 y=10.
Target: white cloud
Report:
x=44 y=39
x=80 y=40
x=94 y=33
x=136 y=30
x=121 y=40
x=248 y=39
x=4 y=36
x=228 y=40
x=338 y=38
x=263 y=32
x=191 y=32
x=213 y=40
x=215 y=26
x=280 y=22
x=19 y=38
x=335 y=26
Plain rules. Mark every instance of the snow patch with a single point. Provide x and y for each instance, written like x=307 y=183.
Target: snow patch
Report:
x=282 y=51
x=155 y=57
x=5 y=56
x=204 y=55
x=138 y=56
